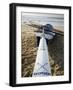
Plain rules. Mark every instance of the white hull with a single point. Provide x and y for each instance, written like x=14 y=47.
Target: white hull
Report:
x=42 y=65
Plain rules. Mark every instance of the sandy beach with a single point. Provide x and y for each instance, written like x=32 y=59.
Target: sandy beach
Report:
x=29 y=52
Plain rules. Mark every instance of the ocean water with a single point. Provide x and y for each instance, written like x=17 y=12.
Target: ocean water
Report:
x=57 y=20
